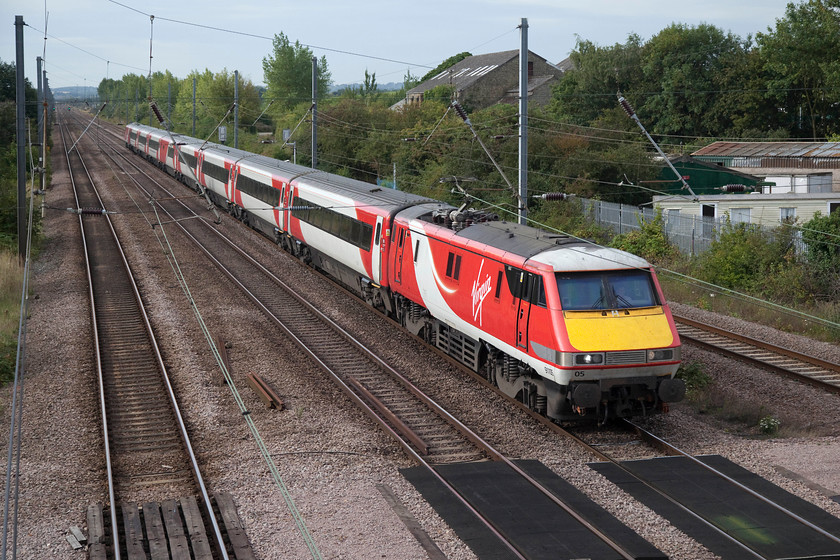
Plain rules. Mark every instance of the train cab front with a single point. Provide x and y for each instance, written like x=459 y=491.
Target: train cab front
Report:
x=623 y=350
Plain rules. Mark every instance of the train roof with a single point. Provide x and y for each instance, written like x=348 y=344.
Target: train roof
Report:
x=361 y=192
x=524 y=241
x=561 y=252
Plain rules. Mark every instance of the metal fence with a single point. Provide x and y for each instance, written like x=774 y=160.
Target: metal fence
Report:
x=690 y=234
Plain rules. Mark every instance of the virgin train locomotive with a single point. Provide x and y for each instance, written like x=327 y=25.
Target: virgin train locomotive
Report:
x=573 y=330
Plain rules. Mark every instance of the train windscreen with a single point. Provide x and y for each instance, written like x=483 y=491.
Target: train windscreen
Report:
x=619 y=289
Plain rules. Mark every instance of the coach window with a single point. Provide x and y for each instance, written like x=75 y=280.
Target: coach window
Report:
x=378 y=231
x=499 y=284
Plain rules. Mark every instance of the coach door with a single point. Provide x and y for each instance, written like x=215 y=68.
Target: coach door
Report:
x=526 y=280
x=231 y=184
x=199 y=168
x=398 y=254
x=376 y=252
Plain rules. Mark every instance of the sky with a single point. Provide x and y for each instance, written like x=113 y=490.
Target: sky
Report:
x=88 y=40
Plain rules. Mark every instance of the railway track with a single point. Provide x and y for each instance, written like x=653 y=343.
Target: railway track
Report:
x=799 y=366
x=388 y=407
x=148 y=455
x=424 y=429
x=815 y=537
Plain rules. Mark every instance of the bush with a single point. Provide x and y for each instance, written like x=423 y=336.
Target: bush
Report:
x=744 y=256
x=769 y=425
x=649 y=241
x=820 y=235
x=694 y=377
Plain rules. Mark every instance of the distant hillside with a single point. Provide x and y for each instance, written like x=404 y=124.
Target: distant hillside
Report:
x=74 y=92
x=390 y=86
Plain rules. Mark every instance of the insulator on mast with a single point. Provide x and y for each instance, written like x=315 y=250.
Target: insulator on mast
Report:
x=460 y=111
x=82 y=211
x=156 y=111
x=552 y=196
x=735 y=188
x=627 y=107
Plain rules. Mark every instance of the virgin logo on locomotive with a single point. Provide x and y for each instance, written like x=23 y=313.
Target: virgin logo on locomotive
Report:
x=479 y=293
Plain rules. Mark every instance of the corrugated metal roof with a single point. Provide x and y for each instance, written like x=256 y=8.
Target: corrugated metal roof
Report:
x=771 y=149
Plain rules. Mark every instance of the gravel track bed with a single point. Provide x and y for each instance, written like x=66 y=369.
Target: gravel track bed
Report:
x=330 y=456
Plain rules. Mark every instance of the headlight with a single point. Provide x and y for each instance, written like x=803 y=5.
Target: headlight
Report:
x=588 y=359
x=660 y=355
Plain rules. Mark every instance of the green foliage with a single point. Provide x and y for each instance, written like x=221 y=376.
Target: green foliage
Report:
x=801 y=67
x=649 y=242
x=821 y=235
x=701 y=81
x=695 y=378
x=443 y=93
x=451 y=61
x=743 y=256
x=769 y=425
x=409 y=81
x=8 y=93
x=684 y=69
x=588 y=90
x=369 y=87
x=288 y=73
x=569 y=217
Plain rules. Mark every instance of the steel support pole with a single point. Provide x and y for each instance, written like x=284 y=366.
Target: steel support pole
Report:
x=523 y=122
x=193 y=128
x=314 y=112
x=236 y=109
x=20 y=103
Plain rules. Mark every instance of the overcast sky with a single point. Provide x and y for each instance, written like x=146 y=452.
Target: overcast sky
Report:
x=384 y=37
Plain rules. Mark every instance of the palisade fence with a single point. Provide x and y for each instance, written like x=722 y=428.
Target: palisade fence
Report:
x=690 y=234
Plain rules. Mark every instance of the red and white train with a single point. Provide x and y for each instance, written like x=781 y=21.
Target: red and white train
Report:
x=573 y=330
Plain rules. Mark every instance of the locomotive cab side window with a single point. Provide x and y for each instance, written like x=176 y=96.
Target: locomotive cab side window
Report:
x=525 y=285
x=620 y=289
x=537 y=290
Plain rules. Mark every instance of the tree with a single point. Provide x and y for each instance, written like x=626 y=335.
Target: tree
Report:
x=214 y=97
x=409 y=80
x=803 y=73
x=588 y=89
x=369 y=87
x=821 y=235
x=685 y=71
x=288 y=73
x=8 y=93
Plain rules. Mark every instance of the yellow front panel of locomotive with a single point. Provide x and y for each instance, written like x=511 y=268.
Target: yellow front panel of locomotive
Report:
x=604 y=331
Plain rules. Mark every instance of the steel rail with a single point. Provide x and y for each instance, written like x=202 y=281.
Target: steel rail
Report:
x=477 y=440
x=659 y=442
x=775 y=364
x=115 y=537
x=199 y=479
